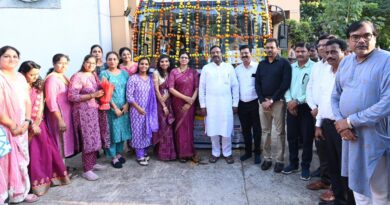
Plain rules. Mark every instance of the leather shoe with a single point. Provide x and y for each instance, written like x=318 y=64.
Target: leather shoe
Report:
x=327 y=196
x=266 y=165
x=317 y=185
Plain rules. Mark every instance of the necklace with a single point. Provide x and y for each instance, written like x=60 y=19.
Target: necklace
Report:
x=182 y=70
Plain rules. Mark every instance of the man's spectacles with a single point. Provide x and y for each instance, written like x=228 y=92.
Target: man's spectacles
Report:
x=366 y=37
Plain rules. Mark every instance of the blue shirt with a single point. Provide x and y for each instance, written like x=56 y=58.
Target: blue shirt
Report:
x=362 y=94
x=299 y=79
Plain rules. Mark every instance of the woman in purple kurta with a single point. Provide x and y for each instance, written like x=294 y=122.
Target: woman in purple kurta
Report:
x=59 y=109
x=83 y=91
x=183 y=84
x=46 y=167
x=163 y=139
x=143 y=112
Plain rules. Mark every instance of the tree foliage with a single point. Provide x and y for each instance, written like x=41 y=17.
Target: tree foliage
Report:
x=300 y=31
x=329 y=16
x=338 y=15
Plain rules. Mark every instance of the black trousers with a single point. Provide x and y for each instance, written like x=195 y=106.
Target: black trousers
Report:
x=248 y=112
x=322 y=152
x=301 y=125
x=339 y=183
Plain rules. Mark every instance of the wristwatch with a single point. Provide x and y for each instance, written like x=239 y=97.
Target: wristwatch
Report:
x=29 y=121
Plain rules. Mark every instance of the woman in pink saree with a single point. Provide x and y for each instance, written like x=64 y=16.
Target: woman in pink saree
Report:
x=15 y=113
x=163 y=140
x=126 y=62
x=46 y=167
x=59 y=109
x=183 y=83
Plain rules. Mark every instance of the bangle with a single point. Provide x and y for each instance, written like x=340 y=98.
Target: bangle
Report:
x=90 y=95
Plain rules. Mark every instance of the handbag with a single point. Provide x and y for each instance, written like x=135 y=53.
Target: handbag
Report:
x=5 y=146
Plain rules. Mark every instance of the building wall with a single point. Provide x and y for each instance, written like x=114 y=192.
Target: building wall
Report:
x=40 y=33
x=289 y=5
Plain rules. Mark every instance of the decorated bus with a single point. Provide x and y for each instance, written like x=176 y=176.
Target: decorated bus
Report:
x=169 y=26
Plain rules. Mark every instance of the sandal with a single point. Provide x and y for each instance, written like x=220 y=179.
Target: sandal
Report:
x=229 y=159
x=147 y=157
x=31 y=198
x=142 y=161
x=213 y=159
x=196 y=158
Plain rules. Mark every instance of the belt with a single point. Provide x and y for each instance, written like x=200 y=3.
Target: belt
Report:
x=329 y=121
x=252 y=101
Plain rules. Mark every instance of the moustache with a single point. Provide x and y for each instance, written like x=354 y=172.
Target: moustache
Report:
x=245 y=57
x=330 y=59
x=362 y=46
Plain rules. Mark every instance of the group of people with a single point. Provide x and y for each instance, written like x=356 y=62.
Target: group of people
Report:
x=341 y=102
x=47 y=120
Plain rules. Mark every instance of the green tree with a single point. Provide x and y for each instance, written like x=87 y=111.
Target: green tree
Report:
x=339 y=14
x=377 y=11
x=300 y=31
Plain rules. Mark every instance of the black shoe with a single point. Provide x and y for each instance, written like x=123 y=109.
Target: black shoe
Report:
x=257 y=159
x=278 y=167
x=116 y=165
x=122 y=160
x=290 y=169
x=266 y=165
x=305 y=174
x=316 y=173
x=245 y=157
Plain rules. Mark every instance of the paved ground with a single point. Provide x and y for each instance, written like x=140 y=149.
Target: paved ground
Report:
x=176 y=183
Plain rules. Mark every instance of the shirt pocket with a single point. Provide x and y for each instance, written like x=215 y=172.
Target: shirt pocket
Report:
x=304 y=81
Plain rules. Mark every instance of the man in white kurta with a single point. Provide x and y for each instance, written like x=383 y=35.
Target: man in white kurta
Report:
x=218 y=97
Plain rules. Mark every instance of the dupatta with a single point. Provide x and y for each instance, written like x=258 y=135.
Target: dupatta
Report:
x=151 y=110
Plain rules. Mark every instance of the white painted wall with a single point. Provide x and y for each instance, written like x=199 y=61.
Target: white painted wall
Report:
x=40 y=33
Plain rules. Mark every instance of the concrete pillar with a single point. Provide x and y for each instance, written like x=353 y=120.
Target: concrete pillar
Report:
x=119 y=24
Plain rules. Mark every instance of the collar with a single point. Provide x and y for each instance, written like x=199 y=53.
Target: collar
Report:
x=307 y=64
x=369 y=56
x=276 y=59
x=251 y=65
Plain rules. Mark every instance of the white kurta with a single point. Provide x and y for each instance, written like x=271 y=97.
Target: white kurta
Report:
x=218 y=93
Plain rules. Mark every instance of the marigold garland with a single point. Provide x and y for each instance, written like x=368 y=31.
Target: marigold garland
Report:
x=188 y=26
x=178 y=35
